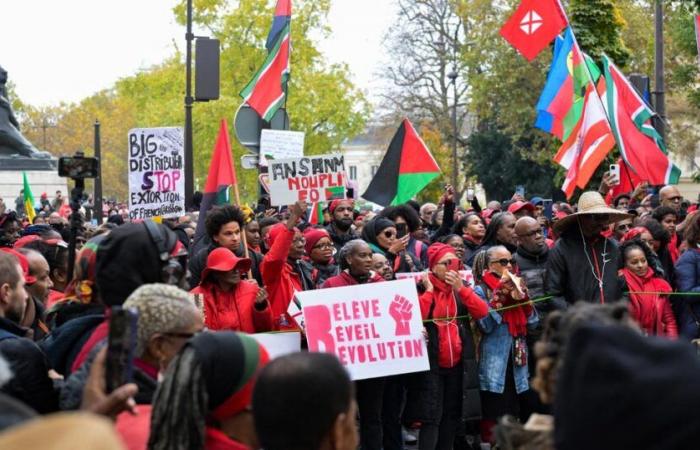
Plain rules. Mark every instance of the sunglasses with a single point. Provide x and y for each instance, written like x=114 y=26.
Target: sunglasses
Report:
x=624 y=226
x=389 y=234
x=504 y=262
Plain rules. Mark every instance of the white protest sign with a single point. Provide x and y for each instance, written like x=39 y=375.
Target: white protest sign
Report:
x=418 y=276
x=156 y=172
x=312 y=179
x=374 y=329
x=279 y=144
x=279 y=344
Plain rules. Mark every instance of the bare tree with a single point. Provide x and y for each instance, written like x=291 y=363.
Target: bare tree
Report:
x=425 y=70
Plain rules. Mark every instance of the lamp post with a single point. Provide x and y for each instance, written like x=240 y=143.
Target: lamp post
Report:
x=455 y=168
x=189 y=101
x=659 y=88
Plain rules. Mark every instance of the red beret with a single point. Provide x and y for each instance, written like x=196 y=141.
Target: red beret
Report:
x=23 y=262
x=335 y=203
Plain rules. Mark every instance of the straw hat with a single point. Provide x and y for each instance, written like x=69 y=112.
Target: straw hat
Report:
x=590 y=203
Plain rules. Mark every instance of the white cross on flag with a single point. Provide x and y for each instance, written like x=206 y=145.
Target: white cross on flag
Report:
x=534 y=25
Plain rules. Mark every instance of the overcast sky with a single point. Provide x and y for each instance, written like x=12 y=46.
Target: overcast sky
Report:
x=63 y=51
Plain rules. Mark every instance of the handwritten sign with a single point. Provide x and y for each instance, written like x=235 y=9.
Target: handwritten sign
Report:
x=311 y=179
x=156 y=172
x=280 y=144
x=374 y=329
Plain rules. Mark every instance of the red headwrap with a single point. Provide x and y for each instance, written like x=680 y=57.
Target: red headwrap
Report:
x=633 y=233
x=24 y=264
x=335 y=203
x=436 y=251
x=312 y=236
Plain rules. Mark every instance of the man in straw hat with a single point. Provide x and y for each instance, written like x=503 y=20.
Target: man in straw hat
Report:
x=583 y=264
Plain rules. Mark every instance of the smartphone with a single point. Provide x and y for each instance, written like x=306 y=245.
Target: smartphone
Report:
x=401 y=230
x=121 y=343
x=547 y=204
x=520 y=190
x=470 y=194
x=615 y=171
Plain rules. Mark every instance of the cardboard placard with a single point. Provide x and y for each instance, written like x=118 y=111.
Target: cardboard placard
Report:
x=310 y=178
x=279 y=344
x=279 y=144
x=374 y=329
x=156 y=161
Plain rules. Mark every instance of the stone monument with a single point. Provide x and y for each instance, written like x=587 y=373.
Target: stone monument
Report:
x=18 y=155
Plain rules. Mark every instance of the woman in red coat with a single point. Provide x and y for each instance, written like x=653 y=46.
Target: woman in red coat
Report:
x=651 y=310
x=231 y=303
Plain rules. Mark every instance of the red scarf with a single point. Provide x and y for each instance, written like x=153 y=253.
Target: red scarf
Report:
x=643 y=306
x=515 y=318
x=467 y=237
x=673 y=248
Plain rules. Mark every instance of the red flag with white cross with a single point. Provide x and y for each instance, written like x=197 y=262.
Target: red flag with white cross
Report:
x=534 y=25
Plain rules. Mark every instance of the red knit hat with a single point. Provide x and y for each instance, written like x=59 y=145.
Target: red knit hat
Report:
x=436 y=251
x=312 y=236
x=222 y=259
x=23 y=263
x=335 y=203
x=633 y=233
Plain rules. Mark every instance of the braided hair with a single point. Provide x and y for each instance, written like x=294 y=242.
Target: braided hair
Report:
x=178 y=419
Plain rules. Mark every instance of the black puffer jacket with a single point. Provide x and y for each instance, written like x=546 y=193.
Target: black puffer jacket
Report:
x=533 y=267
x=570 y=270
x=340 y=239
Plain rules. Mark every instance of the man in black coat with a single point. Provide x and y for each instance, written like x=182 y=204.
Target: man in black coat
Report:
x=30 y=383
x=340 y=228
x=583 y=264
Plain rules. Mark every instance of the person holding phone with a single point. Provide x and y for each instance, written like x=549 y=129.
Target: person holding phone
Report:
x=448 y=394
x=407 y=222
x=381 y=235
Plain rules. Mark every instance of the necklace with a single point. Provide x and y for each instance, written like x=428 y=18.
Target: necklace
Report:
x=597 y=276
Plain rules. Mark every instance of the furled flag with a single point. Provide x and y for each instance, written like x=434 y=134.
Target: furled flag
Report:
x=534 y=25
x=316 y=214
x=28 y=199
x=266 y=92
x=283 y=17
x=641 y=147
x=561 y=102
x=222 y=175
x=407 y=167
x=588 y=145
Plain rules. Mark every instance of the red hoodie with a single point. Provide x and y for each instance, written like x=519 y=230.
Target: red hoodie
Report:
x=445 y=309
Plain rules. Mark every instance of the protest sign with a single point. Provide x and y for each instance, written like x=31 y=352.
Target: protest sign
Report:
x=311 y=179
x=279 y=344
x=279 y=144
x=374 y=329
x=156 y=172
x=418 y=276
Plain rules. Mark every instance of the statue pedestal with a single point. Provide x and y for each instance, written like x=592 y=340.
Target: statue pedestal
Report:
x=42 y=175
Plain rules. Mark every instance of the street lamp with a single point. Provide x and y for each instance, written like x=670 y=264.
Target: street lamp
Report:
x=453 y=79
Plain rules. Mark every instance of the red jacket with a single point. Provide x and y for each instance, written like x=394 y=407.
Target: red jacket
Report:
x=345 y=279
x=652 y=312
x=444 y=304
x=234 y=310
x=280 y=279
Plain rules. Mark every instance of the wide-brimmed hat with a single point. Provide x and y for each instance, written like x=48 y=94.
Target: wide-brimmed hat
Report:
x=222 y=259
x=591 y=203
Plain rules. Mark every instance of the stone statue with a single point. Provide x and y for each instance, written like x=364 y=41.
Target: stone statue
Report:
x=12 y=142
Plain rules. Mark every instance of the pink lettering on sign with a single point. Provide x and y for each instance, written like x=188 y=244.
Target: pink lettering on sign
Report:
x=320 y=315
x=356 y=310
x=379 y=351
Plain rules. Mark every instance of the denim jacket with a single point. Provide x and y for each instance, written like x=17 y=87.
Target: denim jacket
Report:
x=495 y=349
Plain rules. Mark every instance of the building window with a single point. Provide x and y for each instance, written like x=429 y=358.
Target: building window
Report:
x=353 y=172
x=374 y=170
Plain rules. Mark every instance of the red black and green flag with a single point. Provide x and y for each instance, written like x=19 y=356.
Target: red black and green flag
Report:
x=407 y=168
x=222 y=175
x=316 y=215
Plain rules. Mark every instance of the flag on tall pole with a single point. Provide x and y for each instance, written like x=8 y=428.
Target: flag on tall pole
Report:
x=533 y=25
x=407 y=168
x=28 y=199
x=222 y=175
x=266 y=92
x=282 y=18
x=641 y=146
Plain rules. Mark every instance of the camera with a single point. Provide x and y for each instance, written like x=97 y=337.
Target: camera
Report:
x=78 y=166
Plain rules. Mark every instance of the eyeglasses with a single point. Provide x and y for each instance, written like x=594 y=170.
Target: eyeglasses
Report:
x=323 y=246
x=504 y=262
x=389 y=234
x=624 y=226
x=677 y=198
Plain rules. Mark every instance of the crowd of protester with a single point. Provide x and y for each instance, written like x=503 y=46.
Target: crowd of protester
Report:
x=545 y=325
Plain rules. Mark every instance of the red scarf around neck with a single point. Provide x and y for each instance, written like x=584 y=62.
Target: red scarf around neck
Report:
x=515 y=318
